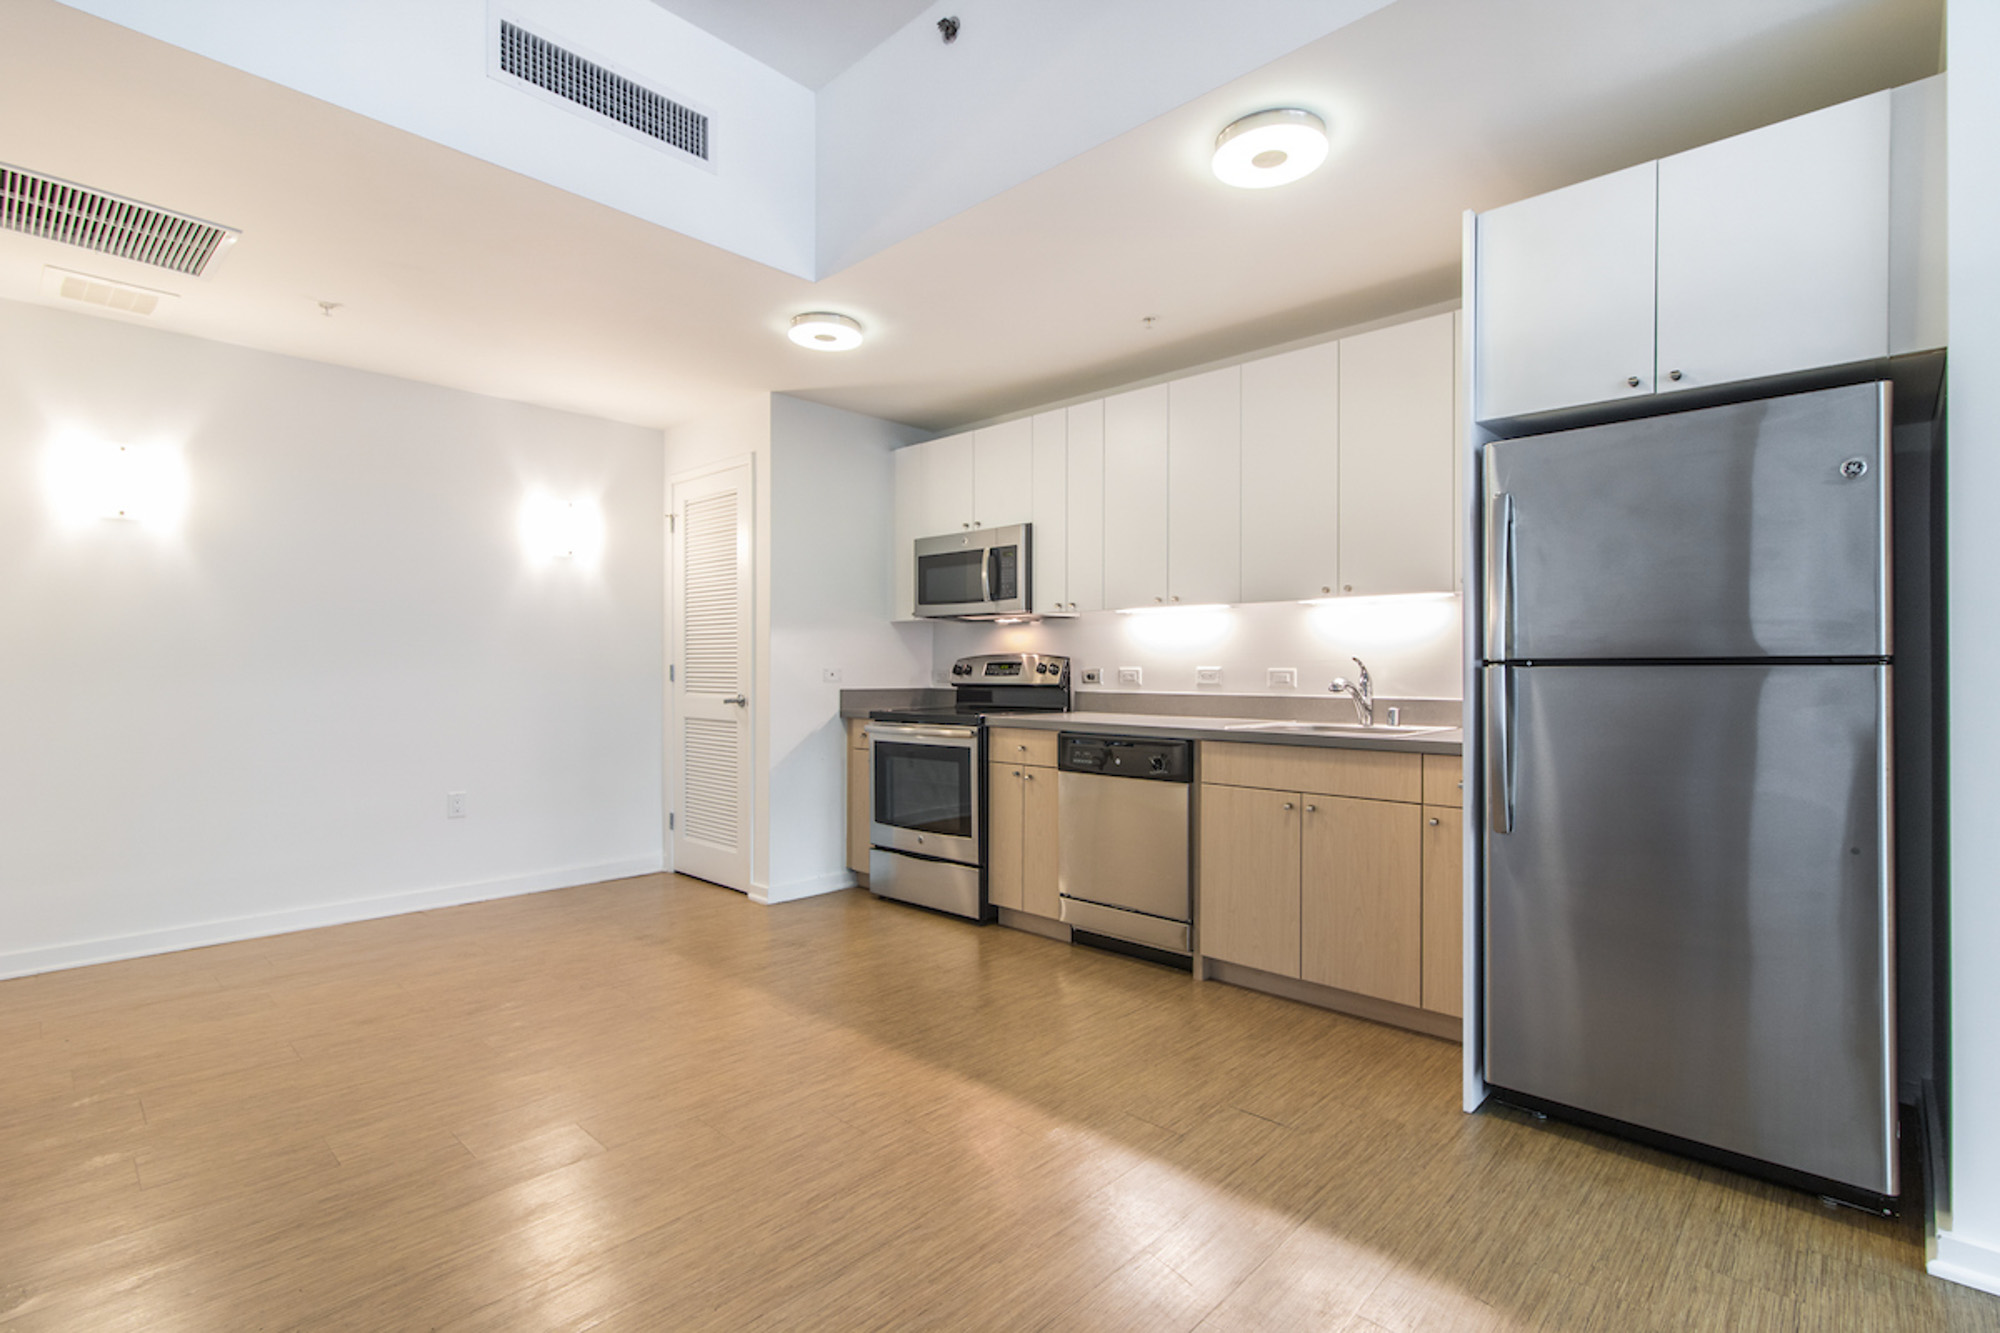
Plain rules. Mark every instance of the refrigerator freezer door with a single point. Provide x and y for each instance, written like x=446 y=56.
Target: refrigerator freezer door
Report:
x=1688 y=926
x=1753 y=530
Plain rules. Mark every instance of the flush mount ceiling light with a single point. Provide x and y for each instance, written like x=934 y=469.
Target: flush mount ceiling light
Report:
x=1270 y=148
x=824 y=332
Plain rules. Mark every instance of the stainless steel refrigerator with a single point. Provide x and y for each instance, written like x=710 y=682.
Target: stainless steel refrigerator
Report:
x=1688 y=904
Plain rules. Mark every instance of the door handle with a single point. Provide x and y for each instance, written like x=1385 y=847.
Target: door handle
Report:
x=1500 y=748
x=738 y=700
x=1500 y=577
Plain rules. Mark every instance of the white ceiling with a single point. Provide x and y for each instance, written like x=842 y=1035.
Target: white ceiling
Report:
x=458 y=272
x=808 y=41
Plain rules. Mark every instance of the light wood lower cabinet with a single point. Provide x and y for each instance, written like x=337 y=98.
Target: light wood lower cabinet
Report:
x=1358 y=891
x=1444 y=911
x=1021 y=839
x=1250 y=878
x=860 y=795
x=1361 y=900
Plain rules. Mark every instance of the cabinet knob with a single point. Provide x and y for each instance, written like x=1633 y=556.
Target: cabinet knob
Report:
x=1673 y=374
x=1288 y=805
x=1326 y=589
x=1175 y=598
x=1017 y=772
x=965 y=525
x=1434 y=822
x=1159 y=599
x=1631 y=381
x=975 y=522
x=1311 y=809
x=1029 y=776
x=1347 y=587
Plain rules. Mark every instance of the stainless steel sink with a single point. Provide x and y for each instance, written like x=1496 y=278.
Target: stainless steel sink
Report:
x=1335 y=729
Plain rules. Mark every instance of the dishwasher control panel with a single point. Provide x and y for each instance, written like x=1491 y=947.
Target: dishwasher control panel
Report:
x=1126 y=757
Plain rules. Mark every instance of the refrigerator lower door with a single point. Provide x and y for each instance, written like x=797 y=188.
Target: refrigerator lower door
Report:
x=1688 y=924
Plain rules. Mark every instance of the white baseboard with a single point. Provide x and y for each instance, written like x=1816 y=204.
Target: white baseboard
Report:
x=1968 y=1262
x=55 y=957
x=769 y=894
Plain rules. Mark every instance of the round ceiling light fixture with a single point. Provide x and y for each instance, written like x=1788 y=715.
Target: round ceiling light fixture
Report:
x=826 y=332
x=1269 y=148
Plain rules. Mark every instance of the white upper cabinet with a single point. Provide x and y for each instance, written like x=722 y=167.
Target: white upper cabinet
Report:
x=1811 y=243
x=1291 y=475
x=1774 y=249
x=947 y=486
x=1205 y=488
x=1049 y=537
x=1397 y=410
x=1003 y=464
x=1135 y=498
x=1085 y=535
x=909 y=466
x=1565 y=296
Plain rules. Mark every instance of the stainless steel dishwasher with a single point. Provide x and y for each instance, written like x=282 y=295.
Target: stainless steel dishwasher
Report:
x=1122 y=867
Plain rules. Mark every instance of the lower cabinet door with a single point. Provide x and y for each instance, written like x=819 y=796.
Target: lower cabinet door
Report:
x=1444 y=911
x=1004 y=799
x=1250 y=878
x=860 y=792
x=1361 y=897
x=1040 y=887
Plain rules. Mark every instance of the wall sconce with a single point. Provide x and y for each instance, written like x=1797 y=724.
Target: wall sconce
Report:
x=553 y=529
x=91 y=479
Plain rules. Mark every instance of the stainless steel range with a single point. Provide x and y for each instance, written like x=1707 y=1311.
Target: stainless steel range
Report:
x=928 y=766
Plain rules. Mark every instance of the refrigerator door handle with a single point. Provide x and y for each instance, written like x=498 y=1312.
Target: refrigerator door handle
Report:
x=1500 y=577
x=1500 y=748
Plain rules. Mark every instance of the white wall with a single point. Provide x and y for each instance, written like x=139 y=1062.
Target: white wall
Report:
x=249 y=724
x=832 y=500
x=1968 y=1246
x=421 y=67
x=1411 y=646
x=825 y=494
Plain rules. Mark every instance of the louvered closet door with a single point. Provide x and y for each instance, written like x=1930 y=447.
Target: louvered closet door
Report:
x=710 y=747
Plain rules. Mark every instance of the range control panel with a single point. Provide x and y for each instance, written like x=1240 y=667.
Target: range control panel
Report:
x=1011 y=669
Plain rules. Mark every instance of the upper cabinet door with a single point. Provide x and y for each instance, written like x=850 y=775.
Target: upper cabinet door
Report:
x=1291 y=475
x=1397 y=407
x=1135 y=498
x=1565 y=297
x=1049 y=537
x=1003 y=468
x=1774 y=249
x=1085 y=423
x=947 y=472
x=1205 y=488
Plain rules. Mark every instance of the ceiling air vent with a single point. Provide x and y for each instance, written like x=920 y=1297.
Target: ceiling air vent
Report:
x=122 y=297
x=57 y=210
x=552 y=69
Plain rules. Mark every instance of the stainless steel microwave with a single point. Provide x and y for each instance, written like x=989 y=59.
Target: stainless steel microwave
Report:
x=979 y=573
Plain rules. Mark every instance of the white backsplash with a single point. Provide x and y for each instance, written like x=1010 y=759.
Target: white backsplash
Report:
x=1411 y=645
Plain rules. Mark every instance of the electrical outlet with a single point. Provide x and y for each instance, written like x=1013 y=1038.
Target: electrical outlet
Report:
x=1208 y=675
x=1093 y=675
x=1281 y=678
x=829 y=675
x=454 y=805
x=1131 y=676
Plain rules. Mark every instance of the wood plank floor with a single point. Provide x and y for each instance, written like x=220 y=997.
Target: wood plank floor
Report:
x=651 y=1104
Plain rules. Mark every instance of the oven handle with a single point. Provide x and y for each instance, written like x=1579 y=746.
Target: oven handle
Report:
x=900 y=731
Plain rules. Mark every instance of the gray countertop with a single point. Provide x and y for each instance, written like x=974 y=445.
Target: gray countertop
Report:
x=1450 y=741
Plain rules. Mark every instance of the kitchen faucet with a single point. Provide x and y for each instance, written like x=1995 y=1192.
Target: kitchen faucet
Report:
x=1362 y=691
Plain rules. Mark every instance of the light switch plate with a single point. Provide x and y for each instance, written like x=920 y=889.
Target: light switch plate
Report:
x=1281 y=678
x=454 y=805
x=1131 y=676
x=1207 y=675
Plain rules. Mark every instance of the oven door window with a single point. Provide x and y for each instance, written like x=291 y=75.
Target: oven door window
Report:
x=924 y=788
x=951 y=579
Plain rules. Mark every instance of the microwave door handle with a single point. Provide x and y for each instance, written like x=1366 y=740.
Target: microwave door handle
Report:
x=986 y=576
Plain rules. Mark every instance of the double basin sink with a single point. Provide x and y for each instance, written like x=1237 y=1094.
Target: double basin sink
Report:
x=1335 y=729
